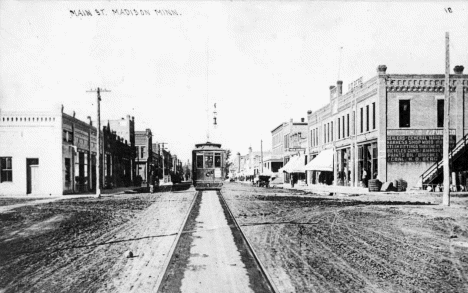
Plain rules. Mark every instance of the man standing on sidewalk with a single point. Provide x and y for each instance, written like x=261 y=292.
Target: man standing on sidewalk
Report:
x=152 y=181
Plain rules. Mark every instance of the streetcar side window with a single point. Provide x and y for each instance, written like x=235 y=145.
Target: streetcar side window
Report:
x=208 y=160
x=199 y=161
x=218 y=160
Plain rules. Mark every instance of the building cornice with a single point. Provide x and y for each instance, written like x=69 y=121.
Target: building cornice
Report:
x=423 y=83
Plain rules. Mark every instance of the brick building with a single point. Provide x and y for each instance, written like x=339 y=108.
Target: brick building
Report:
x=125 y=129
x=144 y=150
x=388 y=127
x=118 y=158
x=51 y=152
x=289 y=139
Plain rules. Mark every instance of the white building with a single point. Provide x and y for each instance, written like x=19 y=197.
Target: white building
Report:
x=31 y=153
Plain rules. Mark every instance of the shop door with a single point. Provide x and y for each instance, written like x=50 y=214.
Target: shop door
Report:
x=32 y=175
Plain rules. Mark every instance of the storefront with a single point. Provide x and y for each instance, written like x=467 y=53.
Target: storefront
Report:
x=321 y=168
x=343 y=167
x=367 y=162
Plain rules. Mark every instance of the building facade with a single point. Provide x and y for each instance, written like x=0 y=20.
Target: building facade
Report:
x=125 y=129
x=388 y=127
x=144 y=147
x=53 y=153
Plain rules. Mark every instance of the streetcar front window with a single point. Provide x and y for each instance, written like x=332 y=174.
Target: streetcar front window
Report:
x=199 y=161
x=217 y=160
x=208 y=160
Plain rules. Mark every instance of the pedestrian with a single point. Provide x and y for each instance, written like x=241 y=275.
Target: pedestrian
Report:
x=152 y=179
x=364 y=177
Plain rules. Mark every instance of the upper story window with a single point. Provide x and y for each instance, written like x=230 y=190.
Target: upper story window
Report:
x=142 y=152
x=324 y=133
x=440 y=113
x=67 y=136
x=367 y=118
x=6 y=169
x=339 y=127
x=347 y=124
x=362 y=120
x=373 y=115
x=343 y=126
x=405 y=112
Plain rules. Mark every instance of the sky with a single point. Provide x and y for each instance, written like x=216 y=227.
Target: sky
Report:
x=261 y=63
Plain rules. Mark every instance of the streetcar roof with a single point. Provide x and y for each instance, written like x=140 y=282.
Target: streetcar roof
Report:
x=208 y=146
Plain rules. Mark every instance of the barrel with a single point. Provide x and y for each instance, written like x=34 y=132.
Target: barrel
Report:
x=374 y=185
x=402 y=185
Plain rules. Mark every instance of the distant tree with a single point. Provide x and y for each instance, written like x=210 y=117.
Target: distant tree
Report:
x=228 y=162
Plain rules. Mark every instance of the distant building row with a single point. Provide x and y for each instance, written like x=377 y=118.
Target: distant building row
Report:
x=55 y=153
x=388 y=127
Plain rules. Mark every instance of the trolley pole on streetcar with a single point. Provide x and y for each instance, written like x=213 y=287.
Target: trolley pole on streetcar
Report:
x=98 y=139
x=446 y=195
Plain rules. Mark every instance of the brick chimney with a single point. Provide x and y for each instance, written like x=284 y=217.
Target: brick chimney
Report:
x=339 y=87
x=458 y=69
x=382 y=69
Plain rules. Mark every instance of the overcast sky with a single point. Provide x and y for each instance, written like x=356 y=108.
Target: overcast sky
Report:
x=261 y=63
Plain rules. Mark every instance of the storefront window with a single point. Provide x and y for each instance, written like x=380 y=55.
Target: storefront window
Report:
x=367 y=162
x=343 y=171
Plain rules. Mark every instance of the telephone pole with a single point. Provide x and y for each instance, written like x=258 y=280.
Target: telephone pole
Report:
x=98 y=139
x=261 y=152
x=162 y=152
x=446 y=195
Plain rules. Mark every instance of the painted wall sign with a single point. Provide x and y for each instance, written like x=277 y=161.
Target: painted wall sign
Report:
x=420 y=145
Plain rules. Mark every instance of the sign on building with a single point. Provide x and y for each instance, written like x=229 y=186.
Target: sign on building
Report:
x=420 y=145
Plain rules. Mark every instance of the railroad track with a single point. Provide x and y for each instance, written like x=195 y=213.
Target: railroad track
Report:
x=205 y=251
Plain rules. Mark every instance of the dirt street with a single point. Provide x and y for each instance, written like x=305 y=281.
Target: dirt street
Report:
x=308 y=243
x=311 y=243
x=77 y=245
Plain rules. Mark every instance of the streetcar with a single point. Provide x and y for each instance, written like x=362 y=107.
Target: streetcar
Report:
x=208 y=161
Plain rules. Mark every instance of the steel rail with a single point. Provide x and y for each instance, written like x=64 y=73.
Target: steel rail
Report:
x=167 y=261
x=249 y=246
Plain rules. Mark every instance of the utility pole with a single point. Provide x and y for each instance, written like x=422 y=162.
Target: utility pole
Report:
x=162 y=152
x=98 y=139
x=261 y=153
x=446 y=195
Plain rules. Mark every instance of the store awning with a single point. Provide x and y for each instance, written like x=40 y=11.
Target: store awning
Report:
x=266 y=172
x=295 y=165
x=323 y=162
